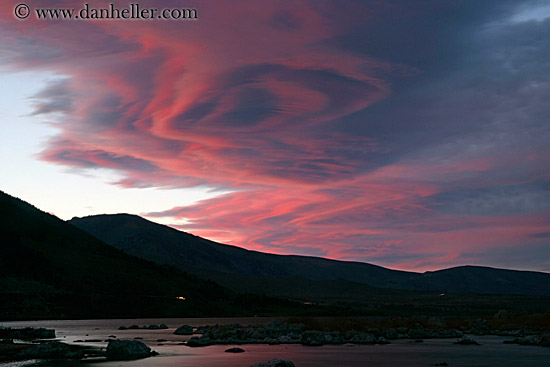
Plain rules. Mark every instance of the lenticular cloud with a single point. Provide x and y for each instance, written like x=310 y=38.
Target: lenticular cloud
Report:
x=264 y=101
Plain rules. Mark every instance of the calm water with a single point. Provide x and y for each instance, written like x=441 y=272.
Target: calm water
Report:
x=400 y=353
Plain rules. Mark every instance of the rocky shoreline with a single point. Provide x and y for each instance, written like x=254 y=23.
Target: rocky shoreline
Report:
x=40 y=343
x=145 y=327
x=30 y=343
x=278 y=332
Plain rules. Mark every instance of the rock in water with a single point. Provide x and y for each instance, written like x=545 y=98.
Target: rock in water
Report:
x=203 y=341
x=540 y=340
x=312 y=338
x=274 y=363
x=46 y=350
x=28 y=333
x=124 y=350
x=234 y=350
x=466 y=341
x=184 y=330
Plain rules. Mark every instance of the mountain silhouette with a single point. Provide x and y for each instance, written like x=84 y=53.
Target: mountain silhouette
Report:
x=52 y=269
x=289 y=275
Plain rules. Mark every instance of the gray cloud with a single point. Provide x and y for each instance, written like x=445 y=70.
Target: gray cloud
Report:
x=497 y=200
x=56 y=97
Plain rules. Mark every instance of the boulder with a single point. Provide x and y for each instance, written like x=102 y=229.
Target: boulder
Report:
x=27 y=333
x=276 y=326
x=360 y=337
x=466 y=341
x=50 y=350
x=419 y=333
x=202 y=341
x=125 y=350
x=448 y=333
x=296 y=327
x=234 y=350
x=312 y=338
x=529 y=340
x=285 y=339
x=202 y=329
x=274 y=363
x=391 y=333
x=155 y=327
x=480 y=327
x=539 y=340
x=402 y=330
x=184 y=330
x=545 y=340
x=333 y=337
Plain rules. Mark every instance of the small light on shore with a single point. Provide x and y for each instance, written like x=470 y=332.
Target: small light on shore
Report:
x=181 y=298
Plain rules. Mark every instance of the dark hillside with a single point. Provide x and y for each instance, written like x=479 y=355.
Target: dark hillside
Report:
x=232 y=266
x=51 y=268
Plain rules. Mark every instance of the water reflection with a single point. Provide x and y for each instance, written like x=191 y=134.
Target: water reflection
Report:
x=401 y=352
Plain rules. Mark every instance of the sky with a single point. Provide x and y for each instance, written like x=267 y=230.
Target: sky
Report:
x=412 y=135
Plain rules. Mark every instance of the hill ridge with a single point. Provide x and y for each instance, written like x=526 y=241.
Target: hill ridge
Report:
x=167 y=245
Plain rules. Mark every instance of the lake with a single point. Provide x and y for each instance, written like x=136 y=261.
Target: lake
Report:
x=403 y=352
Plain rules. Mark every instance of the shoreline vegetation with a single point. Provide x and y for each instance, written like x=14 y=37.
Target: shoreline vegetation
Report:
x=18 y=344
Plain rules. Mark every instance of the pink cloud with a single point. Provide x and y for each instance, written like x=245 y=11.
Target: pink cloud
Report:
x=247 y=98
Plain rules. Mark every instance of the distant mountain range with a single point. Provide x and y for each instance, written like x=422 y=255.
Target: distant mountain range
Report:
x=289 y=275
x=51 y=269
x=123 y=266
